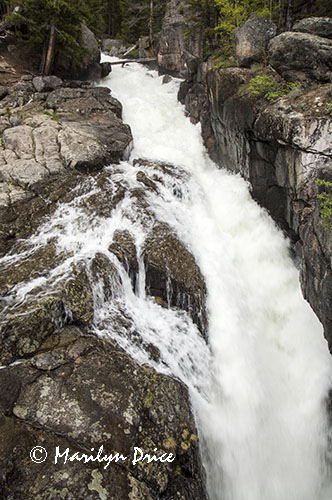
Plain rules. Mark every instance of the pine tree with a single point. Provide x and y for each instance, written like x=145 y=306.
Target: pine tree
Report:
x=4 y=5
x=141 y=18
x=232 y=13
x=94 y=13
x=112 y=17
x=49 y=28
x=203 y=16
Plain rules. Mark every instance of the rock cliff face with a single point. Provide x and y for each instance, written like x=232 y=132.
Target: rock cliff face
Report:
x=175 y=49
x=281 y=149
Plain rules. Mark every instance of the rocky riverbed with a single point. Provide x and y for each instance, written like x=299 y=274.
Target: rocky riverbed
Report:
x=50 y=137
x=62 y=386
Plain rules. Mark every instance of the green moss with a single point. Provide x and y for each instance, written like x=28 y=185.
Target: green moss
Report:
x=52 y=114
x=148 y=399
x=328 y=106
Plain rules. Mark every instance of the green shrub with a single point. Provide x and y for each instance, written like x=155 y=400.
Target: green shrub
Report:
x=52 y=114
x=229 y=63
x=266 y=86
x=325 y=198
x=133 y=54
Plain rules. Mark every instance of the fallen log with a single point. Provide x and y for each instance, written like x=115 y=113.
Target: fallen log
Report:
x=125 y=61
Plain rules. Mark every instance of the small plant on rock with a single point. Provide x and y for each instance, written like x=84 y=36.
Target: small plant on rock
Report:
x=229 y=63
x=325 y=198
x=328 y=106
x=268 y=87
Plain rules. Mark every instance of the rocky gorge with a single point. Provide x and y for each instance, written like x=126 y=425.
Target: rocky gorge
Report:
x=65 y=382
x=280 y=147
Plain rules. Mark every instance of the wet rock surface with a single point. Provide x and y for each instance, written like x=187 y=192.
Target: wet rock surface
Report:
x=23 y=210
x=80 y=394
x=173 y=275
x=63 y=386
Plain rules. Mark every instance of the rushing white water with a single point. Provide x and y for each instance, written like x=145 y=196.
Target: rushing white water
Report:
x=258 y=389
x=264 y=426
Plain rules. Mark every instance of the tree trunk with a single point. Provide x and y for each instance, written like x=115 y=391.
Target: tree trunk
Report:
x=151 y=23
x=110 y=18
x=43 y=60
x=50 y=51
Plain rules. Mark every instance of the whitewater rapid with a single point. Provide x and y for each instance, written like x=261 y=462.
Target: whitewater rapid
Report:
x=258 y=387
x=262 y=383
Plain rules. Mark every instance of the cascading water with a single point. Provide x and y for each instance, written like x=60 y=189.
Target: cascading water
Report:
x=258 y=387
x=263 y=423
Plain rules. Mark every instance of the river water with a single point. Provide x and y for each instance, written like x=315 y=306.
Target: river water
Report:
x=259 y=389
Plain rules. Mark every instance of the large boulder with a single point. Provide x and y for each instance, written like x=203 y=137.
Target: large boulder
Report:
x=320 y=26
x=106 y=68
x=76 y=128
x=251 y=40
x=301 y=56
x=89 y=43
x=113 y=47
x=85 y=396
x=48 y=139
x=173 y=275
x=89 y=67
x=47 y=83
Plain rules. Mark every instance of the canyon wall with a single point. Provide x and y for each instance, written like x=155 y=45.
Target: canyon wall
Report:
x=280 y=145
x=281 y=150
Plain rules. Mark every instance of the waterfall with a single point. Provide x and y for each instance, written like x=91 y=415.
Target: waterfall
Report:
x=259 y=390
x=258 y=384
